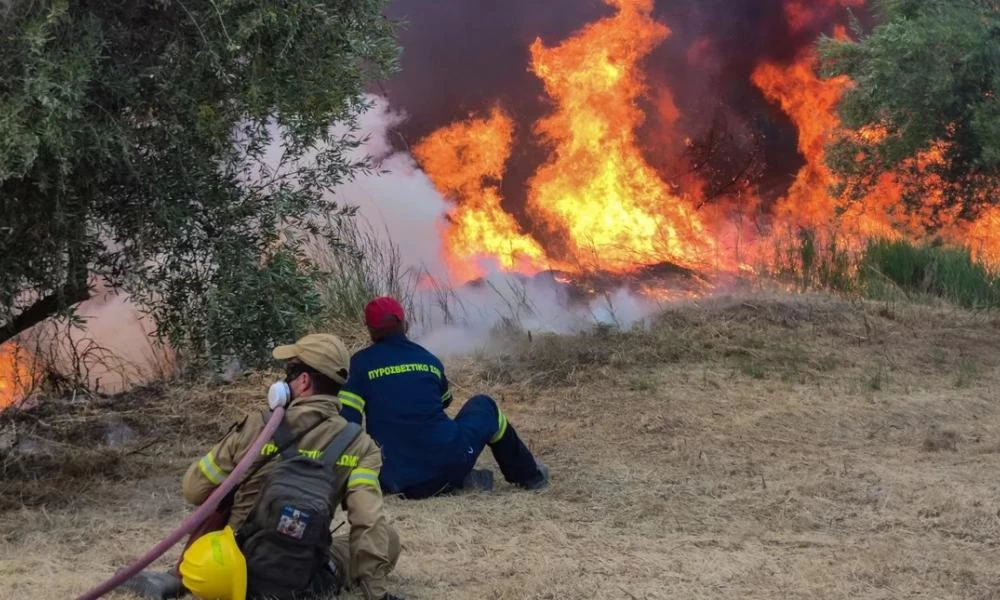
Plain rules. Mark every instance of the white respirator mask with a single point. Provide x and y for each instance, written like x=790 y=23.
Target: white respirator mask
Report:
x=278 y=395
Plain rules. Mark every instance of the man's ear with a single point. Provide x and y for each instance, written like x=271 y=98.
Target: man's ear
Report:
x=307 y=381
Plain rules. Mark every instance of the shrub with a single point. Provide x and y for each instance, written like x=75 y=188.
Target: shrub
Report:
x=889 y=268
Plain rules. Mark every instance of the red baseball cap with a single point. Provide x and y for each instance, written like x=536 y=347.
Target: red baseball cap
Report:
x=382 y=311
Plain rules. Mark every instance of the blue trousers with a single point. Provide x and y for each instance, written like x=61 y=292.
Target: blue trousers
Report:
x=481 y=423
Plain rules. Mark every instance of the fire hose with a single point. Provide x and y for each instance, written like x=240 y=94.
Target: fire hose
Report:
x=195 y=519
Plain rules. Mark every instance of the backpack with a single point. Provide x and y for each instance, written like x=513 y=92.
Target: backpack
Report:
x=286 y=539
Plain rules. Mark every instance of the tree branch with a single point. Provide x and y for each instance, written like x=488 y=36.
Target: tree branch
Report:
x=71 y=294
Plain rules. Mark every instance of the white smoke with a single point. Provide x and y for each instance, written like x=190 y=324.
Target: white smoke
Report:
x=399 y=199
x=400 y=204
x=538 y=305
x=113 y=350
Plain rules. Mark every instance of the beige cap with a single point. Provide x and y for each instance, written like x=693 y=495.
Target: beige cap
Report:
x=321 y=351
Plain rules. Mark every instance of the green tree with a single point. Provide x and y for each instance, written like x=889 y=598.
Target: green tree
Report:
x=929 y=71
x=179 y=150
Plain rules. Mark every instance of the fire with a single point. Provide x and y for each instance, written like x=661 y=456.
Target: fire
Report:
x=597 y=203
x=596 y=199
x=18 y=374
x=802 y=14
x=597 y=193
x=909 y=202
x=466 y=162
x=811 y=104
x=983 y=237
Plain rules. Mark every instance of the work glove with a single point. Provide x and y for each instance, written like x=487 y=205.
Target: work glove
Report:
x=390 y=597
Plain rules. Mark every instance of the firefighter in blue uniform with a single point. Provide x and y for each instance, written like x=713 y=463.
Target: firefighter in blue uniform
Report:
x=401 y=389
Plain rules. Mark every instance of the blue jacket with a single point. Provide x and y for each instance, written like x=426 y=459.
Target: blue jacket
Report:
x=402 y=389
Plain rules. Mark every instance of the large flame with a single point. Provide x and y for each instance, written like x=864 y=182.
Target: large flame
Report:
x=466 y=162
x=18 y=374
x=597 y=200
x=811 y=102
x=597 y=203
x=597 y=193
x=909 y=202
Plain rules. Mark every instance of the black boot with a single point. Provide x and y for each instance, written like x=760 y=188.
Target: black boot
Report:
x=155 y=586
x=516 y=462
x=538 y=482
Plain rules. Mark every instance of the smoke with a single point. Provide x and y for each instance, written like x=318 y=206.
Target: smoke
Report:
x=111 y=352
x=468 y=318
x=398 y=200
x=706 y=65
x=116 y=349
x=700 y=77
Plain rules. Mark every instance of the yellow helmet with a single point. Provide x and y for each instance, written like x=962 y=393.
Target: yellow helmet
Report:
x=213 y=568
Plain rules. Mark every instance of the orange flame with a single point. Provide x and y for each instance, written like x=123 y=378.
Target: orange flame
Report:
x=891 y=208
x=811 y=102
x=466 y=161
x=983 y=237
x=597 y=203
x=18 y=374
x=597 y=199
x=597 y=192
x=802 y=14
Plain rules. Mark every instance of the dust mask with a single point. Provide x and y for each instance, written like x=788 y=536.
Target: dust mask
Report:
x=279 y=395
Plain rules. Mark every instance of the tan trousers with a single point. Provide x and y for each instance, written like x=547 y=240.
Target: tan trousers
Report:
x=340 y=554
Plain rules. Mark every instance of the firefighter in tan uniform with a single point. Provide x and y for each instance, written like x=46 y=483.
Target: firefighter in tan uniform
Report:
x=316 y=366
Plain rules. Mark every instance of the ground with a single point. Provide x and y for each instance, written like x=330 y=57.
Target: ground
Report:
x=751 y=447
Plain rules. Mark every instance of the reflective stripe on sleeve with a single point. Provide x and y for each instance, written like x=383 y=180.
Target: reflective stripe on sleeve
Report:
x=353 y=400
x=362 y=476
x=211 y=470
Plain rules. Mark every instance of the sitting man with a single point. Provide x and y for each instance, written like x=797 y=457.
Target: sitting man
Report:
x=402 y=390
x=271 y=510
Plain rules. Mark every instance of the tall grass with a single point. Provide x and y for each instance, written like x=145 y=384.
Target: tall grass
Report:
x=811 y=261
x=883 y=269
x=361 y=265
x=889 y=269
x=365 y=263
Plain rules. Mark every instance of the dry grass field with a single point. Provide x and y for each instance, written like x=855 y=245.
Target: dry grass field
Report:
x=748 y=447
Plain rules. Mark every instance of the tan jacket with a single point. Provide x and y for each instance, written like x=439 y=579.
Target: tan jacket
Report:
x=372 y=541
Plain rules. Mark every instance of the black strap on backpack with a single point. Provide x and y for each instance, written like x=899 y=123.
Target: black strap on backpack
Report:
x=339 y=444
x=286 y=440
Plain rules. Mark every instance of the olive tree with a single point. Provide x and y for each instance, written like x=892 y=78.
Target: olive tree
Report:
x=179 y=150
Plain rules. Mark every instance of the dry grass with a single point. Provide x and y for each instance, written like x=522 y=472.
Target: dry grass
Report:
x=794 y=447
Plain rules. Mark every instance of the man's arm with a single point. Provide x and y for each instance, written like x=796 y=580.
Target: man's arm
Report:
x=372 y=558
x=351 y=396
x=206 y=473
x=445 y=390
